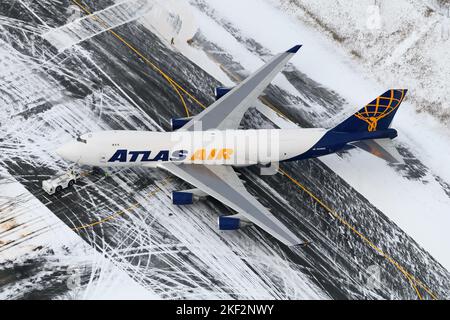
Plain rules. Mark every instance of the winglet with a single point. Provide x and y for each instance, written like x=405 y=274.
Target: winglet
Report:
x=294 y=49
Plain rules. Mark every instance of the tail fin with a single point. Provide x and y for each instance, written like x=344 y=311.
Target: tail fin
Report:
x=377 y=115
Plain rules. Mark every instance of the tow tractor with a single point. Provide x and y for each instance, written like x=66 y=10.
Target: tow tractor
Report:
x=62 y=181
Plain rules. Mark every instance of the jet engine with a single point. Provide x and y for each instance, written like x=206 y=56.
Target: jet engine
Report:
x=228 y=223
x=219 y=92
x=177 y=123
x=181 y=198
x=187 y=196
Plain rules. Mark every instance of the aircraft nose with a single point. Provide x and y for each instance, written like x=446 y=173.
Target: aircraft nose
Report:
x=69 y=151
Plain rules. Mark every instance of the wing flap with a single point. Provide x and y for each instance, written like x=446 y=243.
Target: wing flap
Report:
x=222 y=183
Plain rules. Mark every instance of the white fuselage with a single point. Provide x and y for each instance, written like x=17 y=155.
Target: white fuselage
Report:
x=228 y=147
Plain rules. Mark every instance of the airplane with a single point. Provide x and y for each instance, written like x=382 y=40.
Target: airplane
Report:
x=203 y=150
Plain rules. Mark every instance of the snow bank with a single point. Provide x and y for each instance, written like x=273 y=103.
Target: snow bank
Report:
x=400 y=43
x=171 y=19
x=28 y=228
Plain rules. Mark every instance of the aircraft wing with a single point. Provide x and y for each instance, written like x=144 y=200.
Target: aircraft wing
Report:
x=227 y=112
x=222 y=183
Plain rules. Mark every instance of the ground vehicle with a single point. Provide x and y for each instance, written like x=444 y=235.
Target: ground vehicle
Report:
x=57 y=183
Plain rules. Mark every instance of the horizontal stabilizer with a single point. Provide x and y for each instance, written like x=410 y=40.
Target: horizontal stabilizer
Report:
x=381 y=148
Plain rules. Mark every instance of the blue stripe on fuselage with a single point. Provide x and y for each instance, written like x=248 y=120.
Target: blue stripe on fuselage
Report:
x=334 y=141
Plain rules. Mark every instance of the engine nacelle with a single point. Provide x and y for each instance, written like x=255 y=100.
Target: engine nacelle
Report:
x=188 y=196
x=228 y=223
x=181 y=198
x=219 y=92
x=177 y=123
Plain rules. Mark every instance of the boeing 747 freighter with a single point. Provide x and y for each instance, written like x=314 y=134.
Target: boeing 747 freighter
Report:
x=204 y=150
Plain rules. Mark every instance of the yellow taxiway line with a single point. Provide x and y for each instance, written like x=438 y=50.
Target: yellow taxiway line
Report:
x=174 y=84
x=411 y=279
x=120 y=213
x=414 y=282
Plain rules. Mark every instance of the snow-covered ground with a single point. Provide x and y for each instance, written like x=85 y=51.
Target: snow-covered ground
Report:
x=394 y=41
x=421 y=207
x=39 y=251
x=174 y=252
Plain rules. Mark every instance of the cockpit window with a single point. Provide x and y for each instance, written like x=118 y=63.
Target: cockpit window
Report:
x=79 y=139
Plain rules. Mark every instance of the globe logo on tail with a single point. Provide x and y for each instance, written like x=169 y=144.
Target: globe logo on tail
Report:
x=380 y=108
